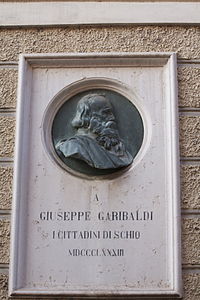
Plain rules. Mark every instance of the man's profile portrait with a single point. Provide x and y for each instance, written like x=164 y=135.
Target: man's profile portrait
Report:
x=96 y=140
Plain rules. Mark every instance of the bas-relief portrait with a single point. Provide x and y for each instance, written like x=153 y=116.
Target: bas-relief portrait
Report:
x=97 y=132
x=97 y=141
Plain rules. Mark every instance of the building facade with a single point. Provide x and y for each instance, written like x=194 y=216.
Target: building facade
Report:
x=70 y=27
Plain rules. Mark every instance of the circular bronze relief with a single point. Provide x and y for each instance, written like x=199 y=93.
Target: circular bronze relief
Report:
x=97 y=132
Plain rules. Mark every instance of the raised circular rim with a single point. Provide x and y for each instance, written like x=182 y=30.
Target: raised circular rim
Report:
x=81 y=86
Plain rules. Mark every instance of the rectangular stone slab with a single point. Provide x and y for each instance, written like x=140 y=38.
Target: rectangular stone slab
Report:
x=113 y=236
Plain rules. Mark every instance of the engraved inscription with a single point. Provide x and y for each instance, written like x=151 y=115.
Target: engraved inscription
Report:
x=88 y=217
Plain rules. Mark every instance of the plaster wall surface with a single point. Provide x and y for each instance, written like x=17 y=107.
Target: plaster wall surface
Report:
x=185 y=40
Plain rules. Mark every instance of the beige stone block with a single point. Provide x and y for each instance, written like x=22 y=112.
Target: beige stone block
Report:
x=190 y=186
x=4 y=241
x=191 y=286
x=3 y=286
x=6 y=177
x=191 y=241
x=7 y=132
x=189 y=136
x=181 y=39
x=4 y=291
x=189 y=86
x=8 y=88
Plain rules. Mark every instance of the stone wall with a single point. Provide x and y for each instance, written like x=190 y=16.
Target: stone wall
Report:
x=183 y=40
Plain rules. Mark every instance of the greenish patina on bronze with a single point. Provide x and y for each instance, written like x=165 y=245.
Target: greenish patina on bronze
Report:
x=97 y=132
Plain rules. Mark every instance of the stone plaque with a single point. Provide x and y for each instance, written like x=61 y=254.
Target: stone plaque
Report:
x=96 y=196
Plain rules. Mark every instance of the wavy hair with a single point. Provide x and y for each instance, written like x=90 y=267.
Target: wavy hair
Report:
x=94 y=112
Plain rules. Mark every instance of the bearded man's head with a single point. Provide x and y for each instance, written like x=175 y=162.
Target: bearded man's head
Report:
x=94 y=113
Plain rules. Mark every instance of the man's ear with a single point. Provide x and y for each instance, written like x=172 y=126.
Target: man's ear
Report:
x=85 y=116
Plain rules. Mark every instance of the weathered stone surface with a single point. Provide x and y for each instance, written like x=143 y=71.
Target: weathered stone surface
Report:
x=189 y=136
x=8 y=88
x=4 y=290
x=6 y=176
x=184 y=40
x=191 y=286
x=4 y=241
x=189 y=86
x=191 y=241
x=190 y=186
x=7 y=128
x=3 y=287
